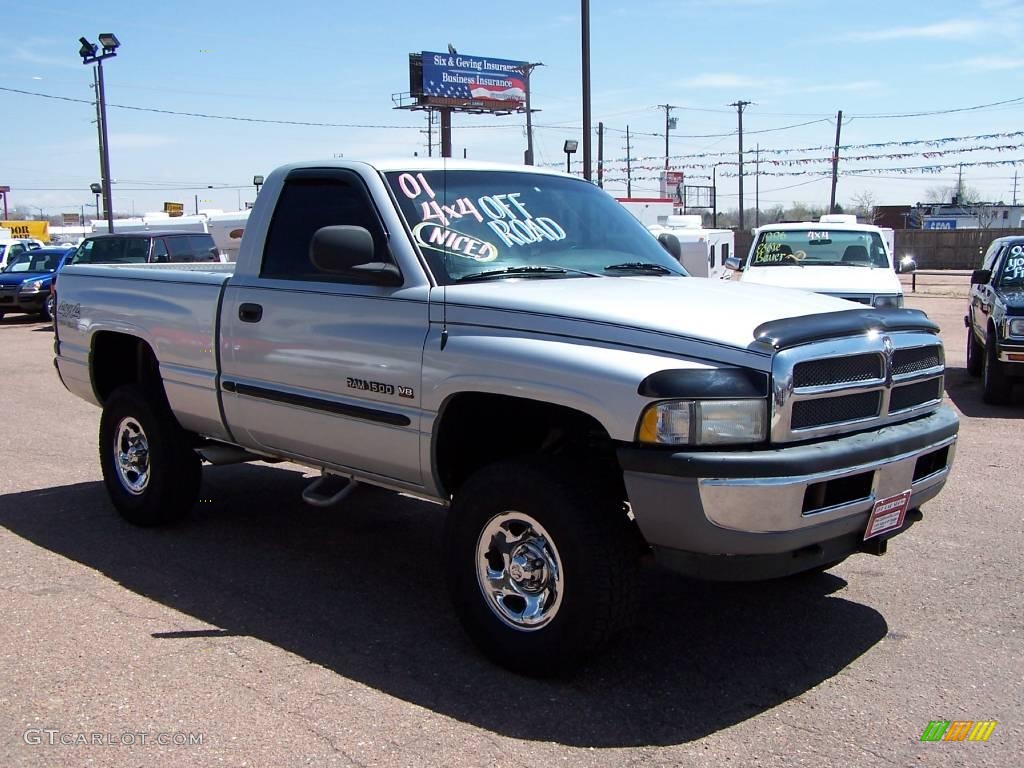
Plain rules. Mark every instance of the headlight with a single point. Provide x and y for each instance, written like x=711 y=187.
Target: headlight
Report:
x=703 y=422
x=888 y=302
x=1015 y=327
x=32 y=286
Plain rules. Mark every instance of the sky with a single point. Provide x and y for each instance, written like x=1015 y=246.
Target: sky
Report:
x=797 y=61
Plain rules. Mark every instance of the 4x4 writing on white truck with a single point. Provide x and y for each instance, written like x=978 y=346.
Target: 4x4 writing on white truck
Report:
x=515 y=345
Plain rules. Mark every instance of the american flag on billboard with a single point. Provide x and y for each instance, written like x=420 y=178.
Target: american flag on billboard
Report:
x=454 y=76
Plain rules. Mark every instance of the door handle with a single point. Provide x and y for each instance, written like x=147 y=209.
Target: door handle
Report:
x=250 y=313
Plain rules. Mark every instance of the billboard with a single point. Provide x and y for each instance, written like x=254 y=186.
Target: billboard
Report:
x=174 y=209
x=40 y=230
x=940 y=224
x=473 y=78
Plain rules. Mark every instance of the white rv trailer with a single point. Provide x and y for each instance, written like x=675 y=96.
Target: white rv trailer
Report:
x=226 y=230
x=704 y=251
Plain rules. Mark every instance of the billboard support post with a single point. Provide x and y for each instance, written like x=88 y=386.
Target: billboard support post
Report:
x=446 y=132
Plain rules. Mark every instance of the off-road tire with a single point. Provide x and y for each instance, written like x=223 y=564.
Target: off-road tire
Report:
x=173 y=470
x=598 y=551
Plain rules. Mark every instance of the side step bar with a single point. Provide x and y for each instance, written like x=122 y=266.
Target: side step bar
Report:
x=319 y=492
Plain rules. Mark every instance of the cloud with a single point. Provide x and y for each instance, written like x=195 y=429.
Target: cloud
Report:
x=954 y=29
x=141 y=140
x=45 y=52
x=988 y=64
x=854 y=86
x=721 y=80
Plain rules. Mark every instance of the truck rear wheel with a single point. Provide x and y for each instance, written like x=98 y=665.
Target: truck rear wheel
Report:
x=996 y=385
x=975 y=354
x=540 y=565
x=151 y=473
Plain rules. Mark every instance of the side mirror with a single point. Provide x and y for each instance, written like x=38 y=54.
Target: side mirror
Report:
x=349 y=251
x=671 y=244
x=906 y=265
x=981 y=276
x=734 y=263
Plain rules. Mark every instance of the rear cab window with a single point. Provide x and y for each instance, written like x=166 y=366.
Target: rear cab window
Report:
x=312 y=199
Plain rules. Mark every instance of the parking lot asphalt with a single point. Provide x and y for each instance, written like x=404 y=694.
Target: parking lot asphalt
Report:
x=264 y=632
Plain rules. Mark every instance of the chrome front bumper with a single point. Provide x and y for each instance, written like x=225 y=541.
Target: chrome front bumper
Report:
x=778 y=501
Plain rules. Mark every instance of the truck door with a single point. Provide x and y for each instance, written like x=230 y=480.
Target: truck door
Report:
x=320 y=365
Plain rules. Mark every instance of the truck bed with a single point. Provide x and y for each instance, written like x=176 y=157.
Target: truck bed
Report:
x=178 y=320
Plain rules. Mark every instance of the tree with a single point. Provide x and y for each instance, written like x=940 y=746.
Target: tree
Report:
x=944 y=194
x=864 y=203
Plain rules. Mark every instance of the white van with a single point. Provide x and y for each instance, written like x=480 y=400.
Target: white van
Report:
x=834 y=255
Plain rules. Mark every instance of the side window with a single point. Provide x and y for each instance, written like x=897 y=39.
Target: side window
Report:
x=136 y=250
x=990 y=257
x=202 y=247
x=159 y=251
x=725 y=252
x=180 y=248
x=308 y=203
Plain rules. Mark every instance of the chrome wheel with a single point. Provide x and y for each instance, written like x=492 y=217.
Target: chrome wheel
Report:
x=519 y=571
x=50 y=307
x=131 y=452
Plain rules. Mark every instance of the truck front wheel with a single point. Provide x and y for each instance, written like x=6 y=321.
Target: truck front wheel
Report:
x=540 y=565
x=151 y=473
x=996 y=385
x=975 y=354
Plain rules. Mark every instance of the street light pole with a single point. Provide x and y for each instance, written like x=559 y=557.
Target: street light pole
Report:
x=90 y=55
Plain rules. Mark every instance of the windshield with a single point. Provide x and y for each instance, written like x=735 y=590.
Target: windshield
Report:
x=34 y=261
x=819 y=247
x=472 y=224
x=1012 y=275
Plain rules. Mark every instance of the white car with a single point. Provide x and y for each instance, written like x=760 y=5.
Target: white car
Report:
x=835 y=256
x=11 y=248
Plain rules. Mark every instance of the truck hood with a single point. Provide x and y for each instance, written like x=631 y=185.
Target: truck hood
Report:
x=826 y=279
x=719 y=312
x=17 y=278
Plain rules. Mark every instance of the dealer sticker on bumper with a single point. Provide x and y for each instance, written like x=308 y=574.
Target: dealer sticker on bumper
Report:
x=887 y=515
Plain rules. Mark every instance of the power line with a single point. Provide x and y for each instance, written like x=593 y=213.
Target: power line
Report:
x=207 y=116
x=885 y=116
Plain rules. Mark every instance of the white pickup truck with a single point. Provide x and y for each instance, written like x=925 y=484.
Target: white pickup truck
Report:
x=513 y=344
x=835 y=256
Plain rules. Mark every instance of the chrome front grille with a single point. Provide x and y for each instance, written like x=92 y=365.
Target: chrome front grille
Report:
x=835 y=410
x=837 y=370
x=845 y=385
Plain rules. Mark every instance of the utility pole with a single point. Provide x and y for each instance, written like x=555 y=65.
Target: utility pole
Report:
x=960 y=185
x=585 y=30
x=670 y=122
x=1014 y=185
x=835 y=163
x=600 y=155
x=629 y=171
x=739 y=116
x=757 y=186
x=714 y=195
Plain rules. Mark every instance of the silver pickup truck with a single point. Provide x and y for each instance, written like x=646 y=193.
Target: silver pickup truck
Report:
x=513 y=344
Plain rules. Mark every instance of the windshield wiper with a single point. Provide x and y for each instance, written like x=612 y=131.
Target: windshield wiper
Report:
x=639 y=266
x=524 y=271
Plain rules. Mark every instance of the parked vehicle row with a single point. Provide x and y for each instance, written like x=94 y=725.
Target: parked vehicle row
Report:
x=995 y=319
x=25 y=281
